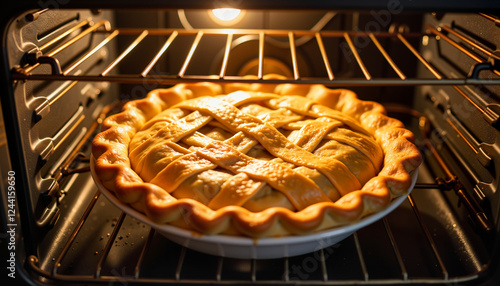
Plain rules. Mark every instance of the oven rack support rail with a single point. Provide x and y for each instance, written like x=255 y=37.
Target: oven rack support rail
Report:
x=485 y=60
x=55 y=275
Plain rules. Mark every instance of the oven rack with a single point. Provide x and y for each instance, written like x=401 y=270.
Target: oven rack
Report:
x=288 y=277
x=137 y=279
x=482 y=57
x=58 y=272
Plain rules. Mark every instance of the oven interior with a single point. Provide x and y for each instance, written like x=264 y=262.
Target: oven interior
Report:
x=67 y=69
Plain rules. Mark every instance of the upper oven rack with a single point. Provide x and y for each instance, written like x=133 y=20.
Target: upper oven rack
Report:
x=482 y=57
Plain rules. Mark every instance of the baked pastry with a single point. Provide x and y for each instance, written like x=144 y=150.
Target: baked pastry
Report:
x=254 y=160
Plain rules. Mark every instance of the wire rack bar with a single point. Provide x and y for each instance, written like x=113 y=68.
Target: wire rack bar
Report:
x=473 y=147
x=190 y=54
x=404 y=272
x=324 y=56
x=489 y=17
x=387 y=57
x=180 y=262
x=293 y=52
x=434 y=71
x=147 y=244
x=357 y=57
x=108 y=246
x=73 y=235
x=68 y=132
x=132 y=46
x=429 y=238
x=260 y=72
x=218 y=272
x=158 y=55
x=227 y=50
x=286 y=271
x=462 y=93
x=362 y=263
x=63 y=35
x=477 y=46
x=93 y=51
x=322 y=260
x=63 y=92
x=253 y=270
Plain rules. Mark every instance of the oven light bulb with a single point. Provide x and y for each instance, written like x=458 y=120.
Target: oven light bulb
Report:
x=226 y=14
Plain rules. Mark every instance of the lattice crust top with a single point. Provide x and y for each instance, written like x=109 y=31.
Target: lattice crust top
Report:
x=256 y=160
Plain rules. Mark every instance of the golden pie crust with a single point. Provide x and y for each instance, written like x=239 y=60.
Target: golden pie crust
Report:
x=255 y=160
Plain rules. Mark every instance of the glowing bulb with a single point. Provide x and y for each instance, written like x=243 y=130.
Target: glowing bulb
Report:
x=226 y=14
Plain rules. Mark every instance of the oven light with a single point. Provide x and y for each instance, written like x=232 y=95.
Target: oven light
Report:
x=226 y=16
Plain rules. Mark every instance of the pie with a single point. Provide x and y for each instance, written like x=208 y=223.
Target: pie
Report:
x=254 y=160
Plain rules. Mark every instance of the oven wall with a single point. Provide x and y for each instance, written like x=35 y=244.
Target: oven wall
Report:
x=466 y=116
x=41 y=123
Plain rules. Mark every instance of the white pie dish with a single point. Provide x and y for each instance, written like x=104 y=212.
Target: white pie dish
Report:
x=252 y=248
